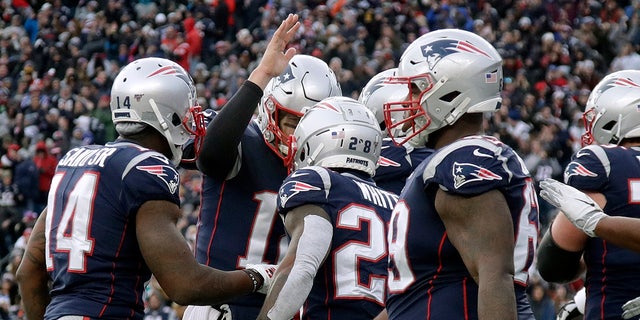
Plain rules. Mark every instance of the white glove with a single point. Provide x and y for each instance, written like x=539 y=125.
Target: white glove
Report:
x=631 y=308
x=267 y=271
x=207 y=313
x=579 y=208
x=569 y=311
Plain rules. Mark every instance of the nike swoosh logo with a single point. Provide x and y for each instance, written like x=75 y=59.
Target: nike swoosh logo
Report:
x=385 y=147
x=477 y=153
x=581 y=153
x=586 y=202
x=298 y=174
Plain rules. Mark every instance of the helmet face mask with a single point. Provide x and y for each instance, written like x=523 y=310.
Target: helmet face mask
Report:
x=611 y=113
x=449 y=72
x=408 y=117
x=338 y=132
x=306 y=81
x=159 y=93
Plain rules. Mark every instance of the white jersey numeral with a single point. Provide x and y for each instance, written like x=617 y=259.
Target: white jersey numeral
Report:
x=72 y=232
x=261 y=228
x=354 y=253
x=400 y=274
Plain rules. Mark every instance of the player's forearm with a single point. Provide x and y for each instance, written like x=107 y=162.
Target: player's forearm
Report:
x=284 y=269
x=288 y=294
x=220 y=145
x=621 y=231
x=35 y=298
x=210 y=288
x=34 y=289
x=496 y=297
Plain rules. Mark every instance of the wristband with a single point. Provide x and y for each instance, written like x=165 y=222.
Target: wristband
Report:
x=257 y=284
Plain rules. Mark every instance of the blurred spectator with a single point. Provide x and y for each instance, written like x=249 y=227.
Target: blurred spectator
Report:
x=10 y=158
x=627 y=58
x=46 y=164
x=157 y=308
x=8 y=293
x=9 y=193
x=542 y=305
x=26 y=178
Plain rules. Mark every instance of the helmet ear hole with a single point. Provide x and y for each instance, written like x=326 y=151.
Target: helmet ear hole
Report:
x=609 y=125
x=303 y=152
x=175 y=120
x=450 y=96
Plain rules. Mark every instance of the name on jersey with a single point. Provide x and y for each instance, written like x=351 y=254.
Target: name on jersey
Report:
x=377 y=196
x=86 y=157
x=358 y=161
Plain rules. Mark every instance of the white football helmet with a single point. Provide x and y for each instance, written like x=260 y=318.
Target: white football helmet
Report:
x=159 y=93
x=338 y=132
x=306 y=81
x=379 y=91
x=450 y=72
x=612 y=111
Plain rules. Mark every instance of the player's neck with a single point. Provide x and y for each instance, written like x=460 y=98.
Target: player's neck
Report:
x=467 y=125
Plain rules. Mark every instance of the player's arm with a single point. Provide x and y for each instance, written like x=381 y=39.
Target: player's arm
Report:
x=583 y=210
x=621 y=231
x=481 y=229
x=220 y=146
x=311 y=233
x=172 y=262
x=32 y=276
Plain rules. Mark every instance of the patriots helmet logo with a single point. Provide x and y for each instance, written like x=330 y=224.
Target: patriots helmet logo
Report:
x=619 y=82
x=171 y=70
x=577 y=169
x=435 y=51
x=464 y=173
x=327 y=106
x=291 y=188
x=377 y=84
x=166 y=173
x=286 y=76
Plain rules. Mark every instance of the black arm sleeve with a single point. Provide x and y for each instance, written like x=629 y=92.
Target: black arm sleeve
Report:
x=556 y=264
x=220 y=147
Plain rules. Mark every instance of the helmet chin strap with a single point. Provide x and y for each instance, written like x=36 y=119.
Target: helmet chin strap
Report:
x=313 y=157
x=616 y=138
x=176 y=153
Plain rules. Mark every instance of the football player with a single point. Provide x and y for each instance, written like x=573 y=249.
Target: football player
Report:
x=112 y=211
x=606 y=171
x=464 y=231
x=396 y=161
x=336 y=264
x=243 y=162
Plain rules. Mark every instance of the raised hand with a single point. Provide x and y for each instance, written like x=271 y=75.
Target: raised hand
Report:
x=275 y=58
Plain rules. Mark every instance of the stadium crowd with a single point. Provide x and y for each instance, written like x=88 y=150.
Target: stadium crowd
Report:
x=58 y=60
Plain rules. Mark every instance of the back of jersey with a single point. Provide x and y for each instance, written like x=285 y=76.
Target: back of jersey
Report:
x=92 y=252
x=356 y=267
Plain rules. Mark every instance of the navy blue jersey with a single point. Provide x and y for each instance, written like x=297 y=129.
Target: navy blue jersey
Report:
x=238 y=222
x=350 y=284
x=613 y=276
x=427 y=276
x=396 y=164
x=92 y=252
